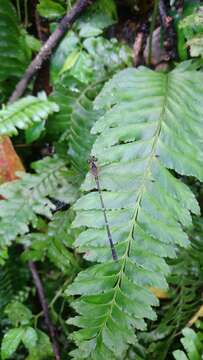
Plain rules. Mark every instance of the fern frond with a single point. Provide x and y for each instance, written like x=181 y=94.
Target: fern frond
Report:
x=192 y=27
x=107 y=56
x=28 y=197
x=74 y=96
x=13 y=278
x=25 y=112
x=6 y=290
x=14 y=55
x=75 y=118
x=192 y=342
x=185 y=281
x=152 y=123
x=83 y=117
x=55 y=179
x=54 y=243
x=184 y=302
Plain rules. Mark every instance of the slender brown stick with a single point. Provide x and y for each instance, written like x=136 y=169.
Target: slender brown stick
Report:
x=152 y=27
x=42 y=79
x=47 y=48
x=44 y=305
x=169 y=31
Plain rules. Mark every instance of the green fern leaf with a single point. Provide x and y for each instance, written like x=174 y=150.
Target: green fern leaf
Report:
x=73 y=123
x=75 y=119
x=192 y=27
x=75 y=99
x=153 y=122
x=185 y=282
x=192 y=342
x=83 y=117
x=24 y=113
x=76 y=115
x=54 y=243
x=14 y=54
x=29 y=196
x=73 y=95
x=60 y=238
x=13 y=278
x=6 y=289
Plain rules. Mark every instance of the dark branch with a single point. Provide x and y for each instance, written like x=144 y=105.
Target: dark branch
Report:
x=139 y=44
x=47 y=48
x=45 y=309
x=168 y=30
x=42 y=79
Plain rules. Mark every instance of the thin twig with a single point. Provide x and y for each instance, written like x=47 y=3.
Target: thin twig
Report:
x=152 y=27
x=47 y=48
x=42 y=79
x=168 y=30
x=18 y=10
x=26 y=14
x=44 y=305
x=140 y=42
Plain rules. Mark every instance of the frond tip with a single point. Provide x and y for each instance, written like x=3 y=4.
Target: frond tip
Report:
x=24 y=113
x=192 y=342
x=152 y=123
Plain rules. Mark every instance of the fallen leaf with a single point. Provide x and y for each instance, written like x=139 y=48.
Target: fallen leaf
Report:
x=159 y=293
x=10 y=162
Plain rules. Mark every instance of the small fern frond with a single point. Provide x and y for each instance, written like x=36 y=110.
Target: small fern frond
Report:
x=83 y=117
x=185 y=301
x=6 y=289
x=192 y=342
x=30 y=195
x=13 y=278
x=73 y=95
x=107 y=56
x=75 y=118
x=60 y=238
x=152 y=123
x=54 y=243
x=55 y=179
x=14 y=54
x=24 y=113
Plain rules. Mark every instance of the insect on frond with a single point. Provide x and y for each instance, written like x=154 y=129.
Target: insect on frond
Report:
x=95 y=172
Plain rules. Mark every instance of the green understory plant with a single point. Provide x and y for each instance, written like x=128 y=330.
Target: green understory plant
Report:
x=144 y=129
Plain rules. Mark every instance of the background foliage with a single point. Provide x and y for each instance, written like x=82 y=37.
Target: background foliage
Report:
x=145 y=128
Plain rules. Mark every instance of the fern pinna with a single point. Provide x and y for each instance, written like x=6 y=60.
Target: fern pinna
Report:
x=151 y=128
x=14 y=52
x=24 y=113
x=192 y=342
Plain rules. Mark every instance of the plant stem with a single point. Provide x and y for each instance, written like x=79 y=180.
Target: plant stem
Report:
x=152 y=26
x=48 y=47
x=169 y=33
x=18 y=9
x=44 y=305
x=26 y=14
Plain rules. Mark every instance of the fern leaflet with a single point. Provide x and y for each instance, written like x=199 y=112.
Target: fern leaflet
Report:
x=25 y=112
x=53 y=243
x=192 y=342
x=29 y=196
x=152 y=123
x=14 y=53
